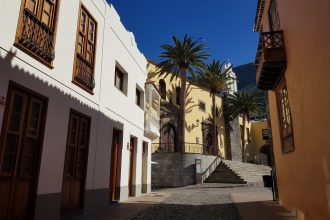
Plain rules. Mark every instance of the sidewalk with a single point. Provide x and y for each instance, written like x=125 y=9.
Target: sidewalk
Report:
x=126 y=209
x=255 y=205
x=252 y=202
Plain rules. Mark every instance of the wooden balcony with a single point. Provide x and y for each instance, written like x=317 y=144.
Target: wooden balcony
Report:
x=270 y=59
x=36 y=37
x=84 y=74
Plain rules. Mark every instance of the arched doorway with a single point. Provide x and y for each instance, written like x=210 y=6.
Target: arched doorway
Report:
x=266 y=150
x=162 y=88
x=168 y=139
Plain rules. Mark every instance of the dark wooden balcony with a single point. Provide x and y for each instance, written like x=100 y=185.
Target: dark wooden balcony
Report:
x=270 y=59
x=84 y=74
x=36 y=37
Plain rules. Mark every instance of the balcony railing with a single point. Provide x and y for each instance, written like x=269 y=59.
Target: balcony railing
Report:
x=270 y=59
x=188 y=148
x=84 y=73
x=37 y=37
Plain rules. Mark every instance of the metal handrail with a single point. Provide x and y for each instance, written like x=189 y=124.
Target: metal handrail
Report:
x=211 y=168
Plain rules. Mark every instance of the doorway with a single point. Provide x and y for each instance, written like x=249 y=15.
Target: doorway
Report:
x=132 y=152
x=144 y=176
x=75 y=166
x=20 y=150
x=114 y=172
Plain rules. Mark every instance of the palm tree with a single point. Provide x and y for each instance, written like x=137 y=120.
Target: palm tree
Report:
x=245 y=104
x=216 y=81
x=186 y=55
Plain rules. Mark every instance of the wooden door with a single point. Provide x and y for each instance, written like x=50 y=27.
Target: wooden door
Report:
x=131 y=166
x=75 y=167
x=20 y=151
x=114 y=164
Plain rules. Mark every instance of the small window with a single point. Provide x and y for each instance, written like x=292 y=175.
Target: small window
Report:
x=284 y=113
x=178 y=94
x=138 y=97
x=201 y=106
x=119 y=80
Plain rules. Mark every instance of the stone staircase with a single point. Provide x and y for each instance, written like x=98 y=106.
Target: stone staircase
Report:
x=238 y=173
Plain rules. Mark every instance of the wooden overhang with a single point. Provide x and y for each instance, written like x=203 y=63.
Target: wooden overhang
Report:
x=270 y=59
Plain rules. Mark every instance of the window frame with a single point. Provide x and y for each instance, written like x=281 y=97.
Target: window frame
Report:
x=122 y=79
x=199 y=106
x=82 y=56
x=287 y=140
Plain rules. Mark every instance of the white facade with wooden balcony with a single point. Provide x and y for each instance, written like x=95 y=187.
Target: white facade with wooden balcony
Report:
x=72 y=119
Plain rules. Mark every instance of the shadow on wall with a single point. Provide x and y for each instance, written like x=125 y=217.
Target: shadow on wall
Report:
x=59 y=104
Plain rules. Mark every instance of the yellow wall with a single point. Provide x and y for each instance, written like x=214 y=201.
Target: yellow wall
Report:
x=247 y=126
x=256 y=136
x=303 y=175
x=194 y=93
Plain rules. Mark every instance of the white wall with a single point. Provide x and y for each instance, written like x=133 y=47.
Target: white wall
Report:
x=108 y=106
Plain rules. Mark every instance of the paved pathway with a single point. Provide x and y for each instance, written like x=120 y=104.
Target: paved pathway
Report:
x=193 y=202
x=205 y=201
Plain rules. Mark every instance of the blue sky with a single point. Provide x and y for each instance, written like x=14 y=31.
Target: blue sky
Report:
x=225 y=25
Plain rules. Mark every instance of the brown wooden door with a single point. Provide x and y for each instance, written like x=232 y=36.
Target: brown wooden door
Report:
x=114 y=164
x=75 y=162
x=131 y=166
x=20 y=150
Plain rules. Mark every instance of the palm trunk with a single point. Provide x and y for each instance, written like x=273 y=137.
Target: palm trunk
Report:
x=243 y=134
x=214 y=126
x=182 y=108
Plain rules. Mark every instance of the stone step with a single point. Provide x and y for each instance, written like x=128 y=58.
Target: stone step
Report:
x=234 y=171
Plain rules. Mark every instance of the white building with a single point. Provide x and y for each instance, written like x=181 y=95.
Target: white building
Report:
x=72 y=91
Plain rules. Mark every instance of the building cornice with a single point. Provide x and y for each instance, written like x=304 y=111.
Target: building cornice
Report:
x=259 y=14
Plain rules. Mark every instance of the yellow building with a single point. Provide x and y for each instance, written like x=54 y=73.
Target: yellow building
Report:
x=198 y=126
x=257 y=149
x=293 y=65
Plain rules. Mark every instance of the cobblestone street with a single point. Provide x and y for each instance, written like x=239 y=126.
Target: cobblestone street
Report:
x=194 y=202
x=205 y=201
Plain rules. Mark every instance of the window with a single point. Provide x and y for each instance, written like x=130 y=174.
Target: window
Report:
x=285 y=119
x=178 y=95
x=273 y=16
x=119 y=80
x=201 y=105
x=36 y=29
x=162 y=88
x=85 y=51
x=248 y=135
x=138 y=97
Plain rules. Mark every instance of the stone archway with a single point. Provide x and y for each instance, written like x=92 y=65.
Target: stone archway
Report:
x=207 y=130
x=168 y=138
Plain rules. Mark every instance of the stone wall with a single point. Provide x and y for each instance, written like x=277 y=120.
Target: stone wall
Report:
x=233 y=140
x=177 y=169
